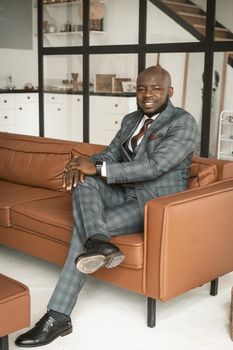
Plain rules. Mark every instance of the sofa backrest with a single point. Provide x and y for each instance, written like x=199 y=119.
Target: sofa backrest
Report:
x=204 y=171
x=40 y=161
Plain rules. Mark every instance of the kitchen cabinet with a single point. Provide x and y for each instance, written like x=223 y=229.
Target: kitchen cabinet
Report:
x=106 y=114
x=55 y=120
x=63 y=115
x=19 y=113
x=75 y=117
x=27 y=114
x=225 y=135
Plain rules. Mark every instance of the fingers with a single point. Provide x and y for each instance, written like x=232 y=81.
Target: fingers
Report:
x=64 y=179
x=75 y=178
x=68 y=179
x=71 y=179
x=82 y=178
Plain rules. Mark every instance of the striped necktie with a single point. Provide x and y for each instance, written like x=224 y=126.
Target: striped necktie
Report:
x=141 y=132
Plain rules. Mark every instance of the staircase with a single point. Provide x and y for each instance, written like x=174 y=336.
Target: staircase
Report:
x=191 y=17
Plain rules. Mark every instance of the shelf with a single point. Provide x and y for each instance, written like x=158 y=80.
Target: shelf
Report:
x=65 y=3
x=225 y=156
x=226 y=138
x=58 y=4
x=72 y=33
x=227 y=123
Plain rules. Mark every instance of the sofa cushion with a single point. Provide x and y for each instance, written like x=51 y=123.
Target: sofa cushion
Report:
x=33 y=163
x=15 y=194
x=52 y=218
x=202 y=173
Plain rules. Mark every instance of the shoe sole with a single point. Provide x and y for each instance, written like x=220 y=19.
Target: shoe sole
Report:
x=90 y=264
x=115 y=260
x=62 y=334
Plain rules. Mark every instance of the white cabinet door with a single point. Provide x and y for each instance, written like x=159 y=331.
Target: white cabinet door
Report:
x=55 y=116
x=75 y=117
x=7 y=112
x=106 y=114
x=7 y=101
x=27 y=114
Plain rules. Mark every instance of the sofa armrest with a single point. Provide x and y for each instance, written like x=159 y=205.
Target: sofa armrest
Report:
x=188 y=239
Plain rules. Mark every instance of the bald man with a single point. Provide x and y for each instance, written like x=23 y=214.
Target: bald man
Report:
x=149 y=157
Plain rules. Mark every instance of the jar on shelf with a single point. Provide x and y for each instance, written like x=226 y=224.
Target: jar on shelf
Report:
x=51 y=28
x=75 y=28
x=68 y=27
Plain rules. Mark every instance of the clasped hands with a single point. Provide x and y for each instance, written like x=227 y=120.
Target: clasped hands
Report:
x=76 y=170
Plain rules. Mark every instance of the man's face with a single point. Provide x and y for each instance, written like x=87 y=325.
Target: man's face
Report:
x=153 y=91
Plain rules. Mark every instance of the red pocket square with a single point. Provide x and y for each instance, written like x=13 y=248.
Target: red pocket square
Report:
x=153 y=136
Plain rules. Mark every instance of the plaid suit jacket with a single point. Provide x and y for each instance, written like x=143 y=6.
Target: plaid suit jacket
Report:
x=159 y=165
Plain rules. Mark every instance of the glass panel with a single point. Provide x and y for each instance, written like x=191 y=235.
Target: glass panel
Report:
x=186 y=71
x=176 y=21
x=108 y=72
x=62 y=23
x=221 y=133
x=224 y=24
x=113 y=83
x=63 y=100
x=119 y=23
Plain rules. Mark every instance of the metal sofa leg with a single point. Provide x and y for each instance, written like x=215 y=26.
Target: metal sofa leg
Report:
x=214 y=287
x=151 y=312
x=4 y=344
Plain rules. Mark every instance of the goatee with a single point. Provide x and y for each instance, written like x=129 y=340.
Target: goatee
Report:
x=159 y=110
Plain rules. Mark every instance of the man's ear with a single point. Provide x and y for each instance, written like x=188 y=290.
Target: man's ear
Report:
x=170 y=91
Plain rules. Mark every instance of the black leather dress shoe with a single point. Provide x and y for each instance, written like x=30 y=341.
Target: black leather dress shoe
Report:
x=44 y=332
x=98 y=253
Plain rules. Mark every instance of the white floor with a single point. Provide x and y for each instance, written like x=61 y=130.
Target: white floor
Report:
x=107 y=317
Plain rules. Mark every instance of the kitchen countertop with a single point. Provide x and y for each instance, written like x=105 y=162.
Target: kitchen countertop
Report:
x=118 y=94
x=91 y=93
x=16 y=91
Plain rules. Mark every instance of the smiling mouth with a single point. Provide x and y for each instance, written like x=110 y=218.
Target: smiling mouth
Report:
x=148 y=103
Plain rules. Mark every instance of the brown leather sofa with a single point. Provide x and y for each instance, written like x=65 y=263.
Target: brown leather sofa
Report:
x=187 y=238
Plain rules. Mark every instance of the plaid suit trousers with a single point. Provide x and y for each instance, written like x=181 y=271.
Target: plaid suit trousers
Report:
x=98 y=208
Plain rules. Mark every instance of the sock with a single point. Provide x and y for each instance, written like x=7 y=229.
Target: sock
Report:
x=100 y=237
x=57 y=315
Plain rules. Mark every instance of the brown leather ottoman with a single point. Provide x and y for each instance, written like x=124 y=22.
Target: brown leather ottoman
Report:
x=14 y=308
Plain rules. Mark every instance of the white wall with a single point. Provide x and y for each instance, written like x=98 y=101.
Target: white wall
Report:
x=20 y=64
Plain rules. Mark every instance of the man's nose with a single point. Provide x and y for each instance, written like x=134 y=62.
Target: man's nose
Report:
x=148 y=91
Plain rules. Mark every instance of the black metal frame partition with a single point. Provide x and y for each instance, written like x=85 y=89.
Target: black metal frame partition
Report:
x=207 y=46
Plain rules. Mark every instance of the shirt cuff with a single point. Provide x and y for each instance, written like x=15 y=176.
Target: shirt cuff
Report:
x=104 y=170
